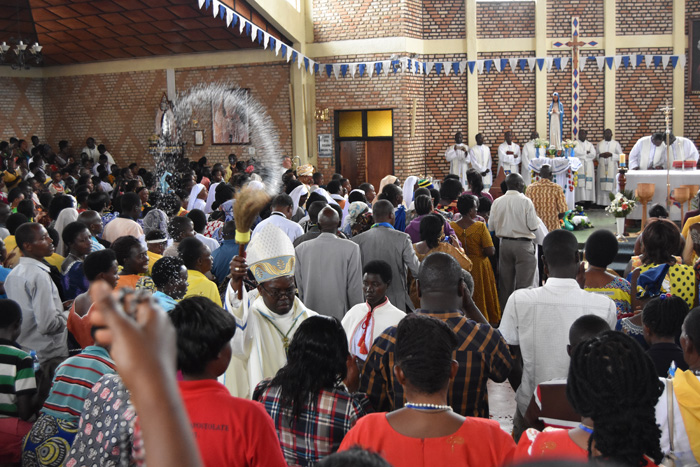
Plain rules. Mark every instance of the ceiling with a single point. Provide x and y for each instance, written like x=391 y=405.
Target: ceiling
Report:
x=85 y=31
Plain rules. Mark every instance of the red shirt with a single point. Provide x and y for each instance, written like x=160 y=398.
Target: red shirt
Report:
x=230 y=430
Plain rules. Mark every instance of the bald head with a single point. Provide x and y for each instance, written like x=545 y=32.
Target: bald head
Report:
x=439 y=271
x=328 y=220
x=89 y=217
x=515 y=182
x=383 y=211
x=546 y=172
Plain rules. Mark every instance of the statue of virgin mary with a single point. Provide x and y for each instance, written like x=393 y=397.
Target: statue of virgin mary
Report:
x=556 y=121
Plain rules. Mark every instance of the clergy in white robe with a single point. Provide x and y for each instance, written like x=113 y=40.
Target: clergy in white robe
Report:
x=608 y=159
x=586 y=152
x=480 y=159
x=681 y=150
x=529 y=153
x=266 y=325
x=508 y=155
x=364 y=322
x=648 y=153
x=457 y=156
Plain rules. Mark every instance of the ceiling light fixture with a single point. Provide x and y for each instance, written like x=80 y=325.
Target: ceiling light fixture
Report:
x=22 y=58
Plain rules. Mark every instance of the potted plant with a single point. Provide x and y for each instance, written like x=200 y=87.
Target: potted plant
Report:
x=621 y=204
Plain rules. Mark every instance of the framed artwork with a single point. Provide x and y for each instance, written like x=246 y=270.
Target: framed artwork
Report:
x=198 y=137
x=230 y=122
x=694 y=56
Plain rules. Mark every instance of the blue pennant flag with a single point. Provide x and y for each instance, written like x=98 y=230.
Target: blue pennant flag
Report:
x=438 y=68
x=504 y=62
x=306 y=63
x=523 y=64
x=260 y=36
x=343 y=70
x=626 y=60
x=329 y=70
x=487 y=65
x=222 y=12
x=557 y=63
x=235 y=20
x=455 y=68
x=417 y=67
x=378 y=68
x=540 y=63
x=248 y=28
x=394 y=65
x=640 y=60
x=207 y=3
x=361 y=68
x=316 y=67
x=471 y=65
x=272 y=43
x=674 y=60
x=410 y=65
x=283 y=51
x=657 y=60
x=425 y=68
x=609 y=61
x=294 y=55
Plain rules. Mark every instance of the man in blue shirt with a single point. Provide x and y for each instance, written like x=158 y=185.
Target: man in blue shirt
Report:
x=225 y=253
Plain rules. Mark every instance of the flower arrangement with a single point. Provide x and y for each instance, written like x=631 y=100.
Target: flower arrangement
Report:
x=541 y=143
x=568 y=143
x=576 y=219
x=621 y=203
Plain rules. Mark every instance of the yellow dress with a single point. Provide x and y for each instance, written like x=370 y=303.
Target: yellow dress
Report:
x=679 y=281
x=474 y=239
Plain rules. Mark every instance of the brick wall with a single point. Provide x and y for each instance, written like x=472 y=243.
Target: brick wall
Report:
x=443 y=19
x=356 y=19
x=592 y=109
x=505 y=19
x=648 y=17
x=559 y=15
x=641 y=93
x=21 y=109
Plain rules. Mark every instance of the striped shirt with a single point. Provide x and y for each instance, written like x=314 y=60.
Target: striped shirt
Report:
x=95 y=245
x=73 y=381
x=482 y=354
x=16 y=377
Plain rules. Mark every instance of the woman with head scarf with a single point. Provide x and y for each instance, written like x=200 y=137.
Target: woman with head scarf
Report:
x=408 y=188
x=299 y=196
x=66 y=216
x=155 y=220
x=198 y=197
x=385 y=181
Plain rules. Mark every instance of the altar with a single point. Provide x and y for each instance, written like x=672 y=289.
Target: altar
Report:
x=564 y=170
x=658 y=178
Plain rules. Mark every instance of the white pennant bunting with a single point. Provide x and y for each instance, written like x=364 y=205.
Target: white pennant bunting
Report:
x=600 y=61
x=336 y=70
x=462 y=67
x=241 y=26
x=404 y=64
x=429 y=68
x=681 y=60
x=513 y=62
x=386 y=66
x=253 y=32
x=229 y=17
x=550 y=62
x=312 y=64
x=582 y=63
x=300 y=58
x=447 y=67
x=618 y=61
x=266 y=39
x=201 y=3
x=353 y=69
x=664 y=60
x=497 y=64
x=370 y=67
x=215 y=10
x=278 y=45
x=289 y=53
x=531 y=63
x=648 y=59
x=633 y=61
x=564 y=62
x=480 y=66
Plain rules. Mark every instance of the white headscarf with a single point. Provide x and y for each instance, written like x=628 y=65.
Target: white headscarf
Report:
x=408 y=186
x=196 y=189
x=211 y=198
x=66 y=216
x=296 y=195
x=326 y=195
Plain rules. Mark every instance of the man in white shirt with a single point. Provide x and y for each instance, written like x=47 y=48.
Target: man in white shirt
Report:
x=508 y=155
x=608 y=159
x=681 y=149
x=536 y=321
x=126 y=223
x=515 y=221
x=648 y=153
x=480 y=159
x=91 y=150
x=529 y=153
x=457 y=156
x=281 y=215
x=585 y=151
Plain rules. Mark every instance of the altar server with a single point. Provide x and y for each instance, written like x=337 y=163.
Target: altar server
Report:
x=586 y=152
x=681 y=149
x=608 y=159
x=648 y=153
x=480 y=159
x=457 y=155
x=508 y=155
x=529 y=153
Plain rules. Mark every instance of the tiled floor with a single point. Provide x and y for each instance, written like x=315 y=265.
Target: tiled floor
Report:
x=502 y=404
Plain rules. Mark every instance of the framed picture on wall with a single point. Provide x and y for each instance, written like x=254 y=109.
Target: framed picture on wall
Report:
x=230 y=122
x=694 y=56
x=198 y=137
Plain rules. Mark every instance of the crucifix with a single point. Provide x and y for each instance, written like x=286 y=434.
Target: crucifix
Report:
x=575 y=44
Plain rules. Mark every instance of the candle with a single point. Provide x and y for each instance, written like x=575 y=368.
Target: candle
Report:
x=622 y=160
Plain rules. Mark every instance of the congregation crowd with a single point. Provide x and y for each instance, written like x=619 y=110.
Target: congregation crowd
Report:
x=359 y=328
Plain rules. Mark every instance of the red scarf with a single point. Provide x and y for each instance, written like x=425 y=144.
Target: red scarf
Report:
x=365 y=325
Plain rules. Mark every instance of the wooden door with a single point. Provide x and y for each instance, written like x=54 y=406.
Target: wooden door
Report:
x=380 y=161
x=351 y=154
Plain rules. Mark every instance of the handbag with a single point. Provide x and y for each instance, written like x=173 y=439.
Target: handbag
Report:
x=669 y=459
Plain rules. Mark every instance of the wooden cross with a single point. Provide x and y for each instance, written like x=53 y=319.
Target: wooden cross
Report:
x=574 y=44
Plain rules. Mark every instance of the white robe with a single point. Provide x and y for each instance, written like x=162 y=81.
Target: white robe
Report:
x=258 y=348
x=529 y=153
x=509 y=162
x=458 y=159
x=645 y=155
x=682 y=149
x=480 y=159
x=384 y=315
x=585 y=151
x=607 y=170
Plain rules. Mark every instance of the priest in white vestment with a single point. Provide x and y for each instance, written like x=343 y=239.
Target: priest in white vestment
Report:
x=364 y=322
x=681 y=149
x=457 y=156
x=608 y=159
x=266 y=325
x=529 y=153
x=480 y=159
x=508 y=155
x=648 y=153
x=586 y=153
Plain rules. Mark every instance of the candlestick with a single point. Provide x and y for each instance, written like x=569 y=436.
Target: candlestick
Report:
x=623 y=160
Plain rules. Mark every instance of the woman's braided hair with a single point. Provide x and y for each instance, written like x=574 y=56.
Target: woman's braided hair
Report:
x=612 y=381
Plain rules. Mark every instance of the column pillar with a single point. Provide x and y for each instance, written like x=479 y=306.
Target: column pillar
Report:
x=679 y=44
x=472 y=78
x=541 y=98
x=610 y=34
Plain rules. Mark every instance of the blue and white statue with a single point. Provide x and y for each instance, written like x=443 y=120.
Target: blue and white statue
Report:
x=556 y=122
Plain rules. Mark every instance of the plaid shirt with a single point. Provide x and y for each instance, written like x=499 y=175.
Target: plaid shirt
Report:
x=481 y=353
x=321 y=426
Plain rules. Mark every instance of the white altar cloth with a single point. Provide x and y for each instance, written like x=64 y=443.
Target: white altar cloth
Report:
x=658 y=178
x=560 y=170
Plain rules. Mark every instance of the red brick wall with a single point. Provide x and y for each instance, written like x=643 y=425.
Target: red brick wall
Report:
x=340 y=20
x=648 y=17
x=692 y=101
x=443 y=19
x=641 y=93
x=505 y=19
x=559 y=15
x=21 y=109
x=592 y=109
